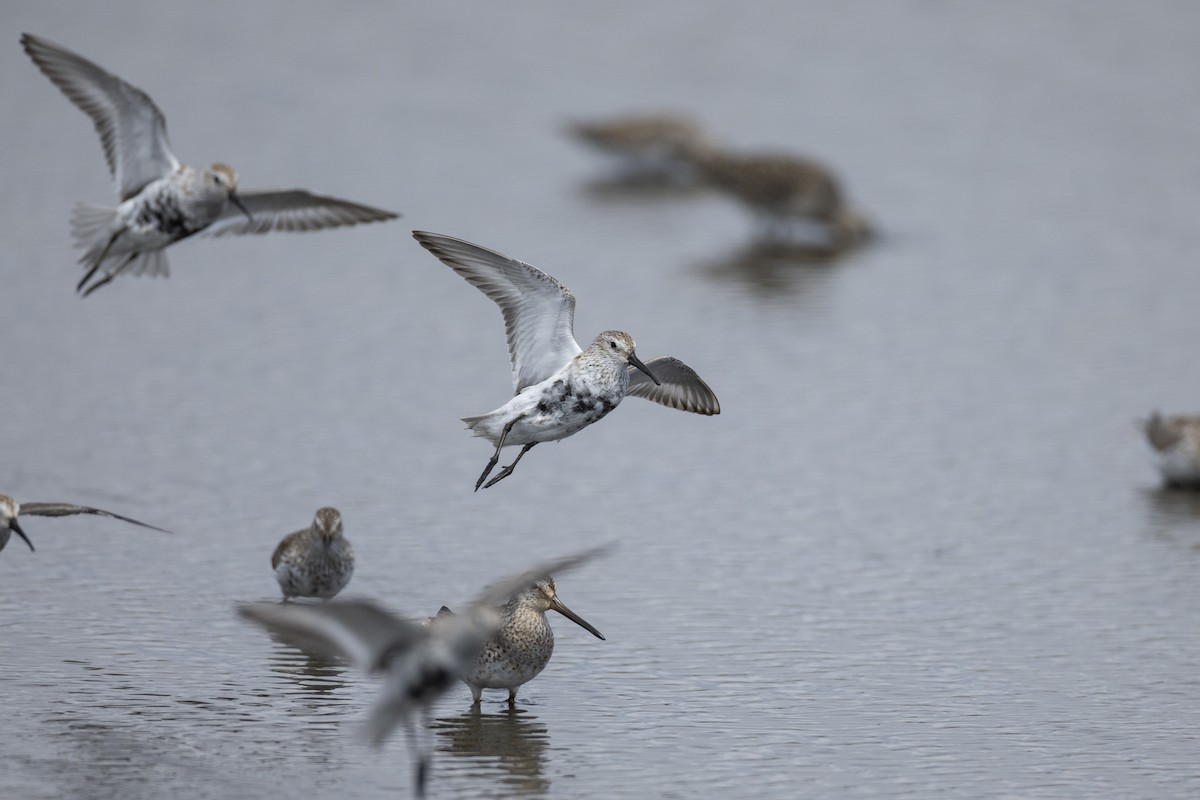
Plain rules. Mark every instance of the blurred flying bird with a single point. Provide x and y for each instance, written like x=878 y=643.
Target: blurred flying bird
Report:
x=418 y=663
x=10 y=510
x=162 y=200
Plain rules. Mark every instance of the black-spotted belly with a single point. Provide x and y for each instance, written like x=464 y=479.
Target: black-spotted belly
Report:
x=571 y=407
x=163 y=214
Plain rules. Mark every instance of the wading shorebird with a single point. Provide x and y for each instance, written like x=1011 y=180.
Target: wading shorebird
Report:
x=419 y=663
x=10 y=509
x=316 y=561
x=162 y=200
x=559 y=388
x=1176 y=442
x=521 y=648
x=649 y=145
x=783 y=190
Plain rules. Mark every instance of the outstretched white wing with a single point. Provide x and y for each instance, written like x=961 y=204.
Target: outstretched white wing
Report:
x=539 y=312
x=291 y=210
x=132 y=129
x=681 y=387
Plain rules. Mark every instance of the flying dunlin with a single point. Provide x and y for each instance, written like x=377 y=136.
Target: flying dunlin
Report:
x=162 y=200
x=559 y=388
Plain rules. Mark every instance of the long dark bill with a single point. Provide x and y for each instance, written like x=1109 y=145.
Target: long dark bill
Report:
x=237 y=201
x=560 y=607
x=637 y=362
x=17 y=530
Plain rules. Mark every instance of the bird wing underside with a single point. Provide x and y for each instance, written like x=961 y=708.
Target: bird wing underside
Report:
x=681 y=387
x=500 y=591
x=538 y=311
x=291 y=210
x=132 y=129
x=359 y=630
x=69 y=509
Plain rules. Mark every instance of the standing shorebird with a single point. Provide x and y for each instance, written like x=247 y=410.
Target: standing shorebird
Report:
x=783 y=190
x=559 y=388
x=1176 y=442
x=419 y=663
x=10 y=509
x=162 y=200
x=316 y=561
x=521 y=648
x=647 y=145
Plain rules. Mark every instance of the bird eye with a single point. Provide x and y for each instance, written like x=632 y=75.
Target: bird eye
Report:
x=613 y=345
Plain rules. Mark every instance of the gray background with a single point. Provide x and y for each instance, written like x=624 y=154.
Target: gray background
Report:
x=922 y=552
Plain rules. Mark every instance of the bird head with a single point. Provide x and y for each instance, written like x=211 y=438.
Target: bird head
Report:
x=9 y=509
x=620 y=345
x=328 y=523
x=224 y=177
x=543 y=596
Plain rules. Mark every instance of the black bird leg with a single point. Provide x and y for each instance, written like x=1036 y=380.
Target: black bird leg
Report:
x=420 y=753
x=504 y=473
x=103 y=255
x=107 y=279
x=496 y=455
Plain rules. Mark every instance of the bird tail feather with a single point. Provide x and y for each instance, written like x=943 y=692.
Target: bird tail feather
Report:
x=149 y=262
x=91 y=227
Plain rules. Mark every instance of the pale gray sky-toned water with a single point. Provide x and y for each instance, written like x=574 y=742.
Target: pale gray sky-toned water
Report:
x=921 y=553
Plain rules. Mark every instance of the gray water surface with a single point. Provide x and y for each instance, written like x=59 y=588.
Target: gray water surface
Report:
x=921 y=553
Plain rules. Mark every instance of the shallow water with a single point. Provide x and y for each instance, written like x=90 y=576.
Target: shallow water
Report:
x=922 y=552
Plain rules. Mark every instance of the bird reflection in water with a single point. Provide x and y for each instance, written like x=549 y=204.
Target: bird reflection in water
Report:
x=1175 y=515
x=316 y=673
x=512 y=739
x=771 y=268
